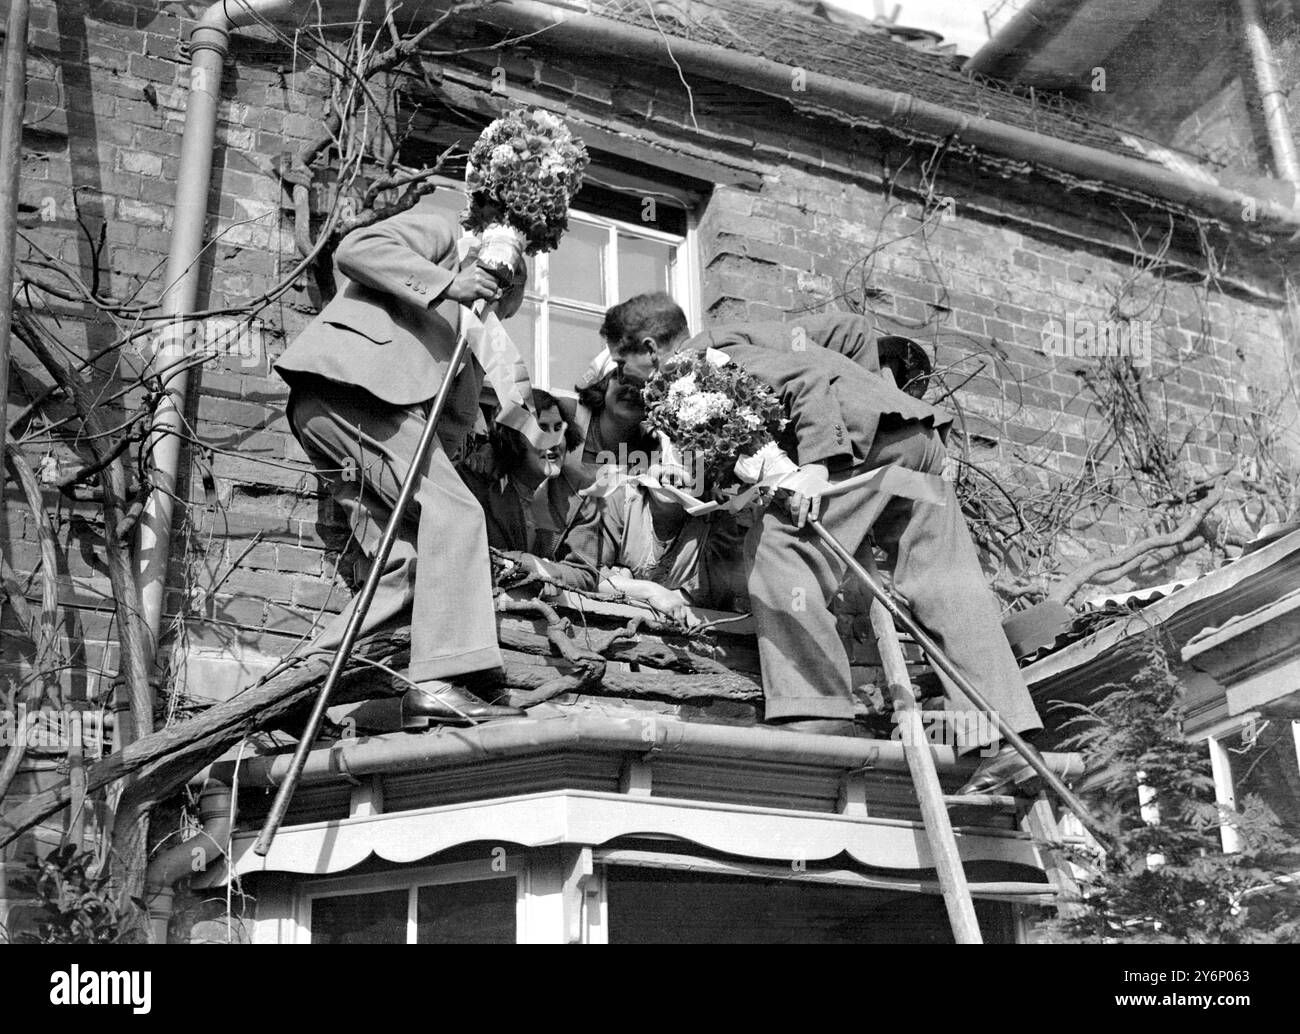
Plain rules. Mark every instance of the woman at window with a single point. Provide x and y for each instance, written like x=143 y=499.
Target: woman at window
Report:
x=646 y=547
x=531 y=497
x=610 y=392
x=610 y=396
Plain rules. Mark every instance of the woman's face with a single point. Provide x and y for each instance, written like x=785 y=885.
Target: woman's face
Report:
x=623 y=394
x=546 y=463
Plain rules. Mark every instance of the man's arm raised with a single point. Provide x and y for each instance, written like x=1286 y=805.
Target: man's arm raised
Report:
x=412 y=256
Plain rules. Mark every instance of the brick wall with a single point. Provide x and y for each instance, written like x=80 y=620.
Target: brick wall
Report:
x=838 y=220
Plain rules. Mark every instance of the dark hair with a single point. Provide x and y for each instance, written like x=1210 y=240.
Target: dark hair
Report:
x=654 y=315
x=908 y=362
x=511 y=447
x=593 y=395
x=593 y=398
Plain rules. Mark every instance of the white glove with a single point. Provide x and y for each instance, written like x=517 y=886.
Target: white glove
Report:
x=805 y=486
x=770 y=462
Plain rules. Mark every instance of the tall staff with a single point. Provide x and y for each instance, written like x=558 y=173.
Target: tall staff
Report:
x=521 y=176
x=503 y=272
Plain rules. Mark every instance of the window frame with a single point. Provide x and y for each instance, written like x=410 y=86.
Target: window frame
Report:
x=412 y=880
x=684 y=283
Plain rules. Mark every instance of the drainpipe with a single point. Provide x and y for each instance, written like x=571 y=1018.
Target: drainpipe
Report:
x=1007 y=53
x=209 y=45
x=11 y=167
x=216 y=820
x=1271 y=95
x=589 y=34
x=12 y=107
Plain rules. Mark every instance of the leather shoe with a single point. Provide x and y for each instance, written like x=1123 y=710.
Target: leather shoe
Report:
x=820 y=726
x=445 y=702
x=996 y=772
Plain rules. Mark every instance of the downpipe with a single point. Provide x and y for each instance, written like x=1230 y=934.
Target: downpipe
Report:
x=193 y=856
x=209 y=47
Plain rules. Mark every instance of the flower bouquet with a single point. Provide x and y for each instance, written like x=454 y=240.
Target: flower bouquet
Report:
x=522 y=174
x=523 y=171
x=722 y=416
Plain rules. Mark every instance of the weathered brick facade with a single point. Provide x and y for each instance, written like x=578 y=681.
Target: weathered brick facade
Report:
x=804 y=213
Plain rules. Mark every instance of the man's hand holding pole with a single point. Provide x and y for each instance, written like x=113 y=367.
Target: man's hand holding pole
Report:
x=805 y=487
x=478 y=286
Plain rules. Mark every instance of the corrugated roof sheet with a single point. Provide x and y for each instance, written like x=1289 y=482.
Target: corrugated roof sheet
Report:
x=1135 y=597
x=1249 y=582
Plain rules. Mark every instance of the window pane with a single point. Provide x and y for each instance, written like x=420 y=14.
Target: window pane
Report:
x=481 y=912
x=360 y=918
x=521 y=328
x=578 y=264
x=643 y=265
x=574 y=339
x=653 y=907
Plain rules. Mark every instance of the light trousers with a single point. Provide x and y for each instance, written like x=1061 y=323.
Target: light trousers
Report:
x=438 y=572
x=793 y=578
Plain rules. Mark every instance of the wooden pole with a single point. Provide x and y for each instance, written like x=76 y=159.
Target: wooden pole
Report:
x=929 y=794
x=414 y=475
x=940 y=660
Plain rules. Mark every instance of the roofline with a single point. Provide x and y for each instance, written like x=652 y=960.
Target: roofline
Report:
x=587 y=34
x=648 y=734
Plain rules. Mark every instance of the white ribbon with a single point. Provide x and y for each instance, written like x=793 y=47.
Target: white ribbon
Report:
x=892 y=480
x=506 y=375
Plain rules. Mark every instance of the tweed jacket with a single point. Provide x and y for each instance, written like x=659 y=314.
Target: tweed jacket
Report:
x=389 y=329
x=826 y=370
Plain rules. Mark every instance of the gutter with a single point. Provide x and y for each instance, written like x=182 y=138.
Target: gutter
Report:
x=648 y=736
x=216 y=822
x=1007 y=53
x=590 y=34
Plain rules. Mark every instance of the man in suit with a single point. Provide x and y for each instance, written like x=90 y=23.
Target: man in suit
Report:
x=845 y=418
x=362 y=379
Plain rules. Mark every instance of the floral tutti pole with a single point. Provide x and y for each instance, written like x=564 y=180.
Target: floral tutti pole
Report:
x=523 y=172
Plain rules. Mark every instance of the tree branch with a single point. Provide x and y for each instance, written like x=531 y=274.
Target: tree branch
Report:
x=1114 y=567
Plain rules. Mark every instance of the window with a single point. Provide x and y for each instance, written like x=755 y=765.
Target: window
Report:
x=454 y=904
x=600 y=261
x=648 y=906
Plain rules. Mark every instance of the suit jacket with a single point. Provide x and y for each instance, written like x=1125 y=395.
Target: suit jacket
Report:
x=826 y=370
x=389 y=330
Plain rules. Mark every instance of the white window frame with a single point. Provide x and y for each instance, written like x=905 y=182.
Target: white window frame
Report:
x=411 y=880
x=684 y=278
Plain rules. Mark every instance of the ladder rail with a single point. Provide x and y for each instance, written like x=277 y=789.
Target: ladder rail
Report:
x=901 y=616
x=925 y=778
x=1038 y=822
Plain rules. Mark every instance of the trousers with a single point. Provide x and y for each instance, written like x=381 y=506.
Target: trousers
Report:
x=793 y=578
x=438 y=572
